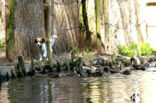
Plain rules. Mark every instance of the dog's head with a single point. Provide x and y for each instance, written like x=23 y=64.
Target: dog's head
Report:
x=39 y=41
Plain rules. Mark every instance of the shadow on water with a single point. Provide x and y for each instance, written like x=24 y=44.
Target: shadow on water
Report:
x=114 y=88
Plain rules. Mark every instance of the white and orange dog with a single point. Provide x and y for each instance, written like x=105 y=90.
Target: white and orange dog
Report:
x=41 y=44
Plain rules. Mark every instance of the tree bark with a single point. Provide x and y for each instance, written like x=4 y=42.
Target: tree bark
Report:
x=10 y=32
x=98 y=35
x=85 y=20
x=48 y=30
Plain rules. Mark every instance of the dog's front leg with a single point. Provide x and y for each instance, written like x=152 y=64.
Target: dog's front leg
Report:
x=45 y=55
x=40 y=59
x=51 y=50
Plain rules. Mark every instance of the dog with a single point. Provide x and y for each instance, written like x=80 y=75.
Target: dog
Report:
x=41 y=44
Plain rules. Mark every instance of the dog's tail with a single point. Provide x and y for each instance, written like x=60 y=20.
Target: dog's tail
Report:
x=53 y=37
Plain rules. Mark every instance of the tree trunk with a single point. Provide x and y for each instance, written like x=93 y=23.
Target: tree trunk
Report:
x=85 y=20
x=25 y=23
x=48 y=30
x=10 y=33
x=6 y=24
x=97 y=8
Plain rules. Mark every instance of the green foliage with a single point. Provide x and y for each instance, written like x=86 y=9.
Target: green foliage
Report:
x=133 y=46
x=85 y=54
x=73 y=49
x=154 y=49
x=75 y=54
x=26 y=62
x=124 y=50
x=145 y=49
x=2 y=43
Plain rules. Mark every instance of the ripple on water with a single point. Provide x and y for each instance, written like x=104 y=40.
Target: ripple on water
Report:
x=111 y=89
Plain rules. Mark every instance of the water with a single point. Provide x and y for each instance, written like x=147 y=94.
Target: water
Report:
x=114 y=88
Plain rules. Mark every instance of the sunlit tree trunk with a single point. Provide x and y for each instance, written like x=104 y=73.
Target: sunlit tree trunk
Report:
x=48 y=30
x=98 y=35
x=106 y=27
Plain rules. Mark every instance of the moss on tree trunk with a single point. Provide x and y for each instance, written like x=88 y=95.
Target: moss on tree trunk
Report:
x=97 y=7
x=49 y=53
x=48 y=30
x=10 y=33
x=107 y=31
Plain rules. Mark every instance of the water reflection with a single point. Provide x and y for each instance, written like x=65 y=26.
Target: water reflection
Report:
x=92 y=90
x=113 y=89
x=66 y=90
x=4 y=93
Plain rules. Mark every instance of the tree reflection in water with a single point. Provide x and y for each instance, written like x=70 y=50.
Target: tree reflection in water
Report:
x=113 y=89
